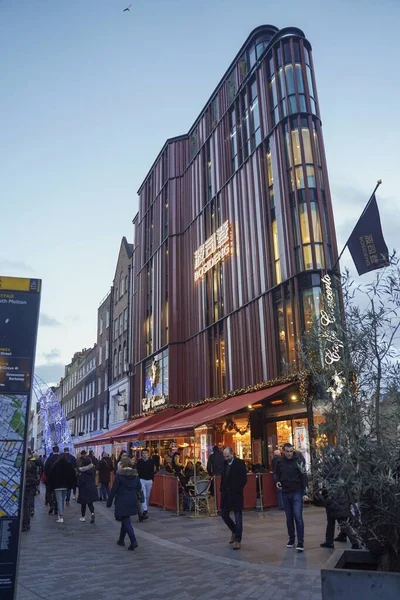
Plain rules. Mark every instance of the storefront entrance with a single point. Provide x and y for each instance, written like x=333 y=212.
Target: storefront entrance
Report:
x=292 y=429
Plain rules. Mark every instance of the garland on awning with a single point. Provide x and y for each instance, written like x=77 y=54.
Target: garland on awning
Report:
x=231 y=425
x=303 y=379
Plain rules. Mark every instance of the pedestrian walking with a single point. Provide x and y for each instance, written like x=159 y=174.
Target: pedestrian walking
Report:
x=50 y=496
x=215 y=463
x=93 y=459
x=87 y=488
x=277 y=457
x=125 y=490
x=291 y=479
x=72 y=461
x=60 y=479
x=105 y=469
x=234 y=478
x=337 y=503
x=32 y=480
x=145 y=468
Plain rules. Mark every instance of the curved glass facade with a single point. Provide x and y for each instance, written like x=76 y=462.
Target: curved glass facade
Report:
x=252 y=162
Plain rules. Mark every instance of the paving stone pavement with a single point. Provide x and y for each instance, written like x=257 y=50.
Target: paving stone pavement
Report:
x=178 y=557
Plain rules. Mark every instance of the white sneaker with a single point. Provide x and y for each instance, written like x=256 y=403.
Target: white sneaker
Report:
x=82 y=519
x=60 y=520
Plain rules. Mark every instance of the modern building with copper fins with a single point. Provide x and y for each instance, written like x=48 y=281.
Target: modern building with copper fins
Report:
x=233 y=232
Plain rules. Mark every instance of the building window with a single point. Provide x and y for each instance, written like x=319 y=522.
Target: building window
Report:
x=255 y=125
x=116 y=295
x=278 y=273
x=107 y=318
x=115 y=329
x=115 y=364
x=125 y=358
x=311 y=304
x=274 y=100
x=107 y=349
x=234 y=141
x=120 y=361
x=231 y=87
x=105 y=415
x=121 y=324
x=98 y=386
x=121 y=286
x=101 y=326
x=125 y=319
x=105 y=382
x=156 y=375
x=100 y=355
x=126 y=283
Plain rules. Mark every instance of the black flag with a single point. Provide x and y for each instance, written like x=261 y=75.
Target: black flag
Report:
x=366 y=244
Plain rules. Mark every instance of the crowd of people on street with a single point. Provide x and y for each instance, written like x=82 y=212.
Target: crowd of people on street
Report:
x=88 y=479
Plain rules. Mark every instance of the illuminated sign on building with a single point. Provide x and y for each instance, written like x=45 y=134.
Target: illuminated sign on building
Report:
x=213 y=251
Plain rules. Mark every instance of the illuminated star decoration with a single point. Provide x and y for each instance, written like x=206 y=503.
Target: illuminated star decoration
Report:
x=337 y=386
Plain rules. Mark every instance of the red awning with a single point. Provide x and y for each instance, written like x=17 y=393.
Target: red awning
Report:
x=184 y=423
x=106 y=438
x=137 y=427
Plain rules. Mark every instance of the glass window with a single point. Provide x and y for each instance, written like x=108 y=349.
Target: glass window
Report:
x=316 y=222
x=311 y=177
x=243 y=67
x=307 y=145
x=290 y=335
x=296 y=147
x=271 y=67
x=292 y=105
x=283 y=92
x=281 y=332
x=234 y=141
x=231 y=87
x=311 y=305
x=316 y=143
x=296 y=48
x=302 y=101
x=319 y=256
x=300 y=178
x=252 y=56
x=278 y=274
x=214 y=112
x=290 y=79
x=274 y=99
x=306 y=56
x=304 y=224
x=307 y=256
x=288 y=150
x=299 y=78
x=286 y=52
x=269 y=169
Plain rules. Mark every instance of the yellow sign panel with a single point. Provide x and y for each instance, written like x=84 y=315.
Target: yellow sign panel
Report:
x=19 y=284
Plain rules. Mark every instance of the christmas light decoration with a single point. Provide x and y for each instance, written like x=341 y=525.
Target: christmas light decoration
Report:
x=56 y=430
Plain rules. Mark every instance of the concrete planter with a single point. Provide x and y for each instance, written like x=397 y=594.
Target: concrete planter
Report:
x=351 y=575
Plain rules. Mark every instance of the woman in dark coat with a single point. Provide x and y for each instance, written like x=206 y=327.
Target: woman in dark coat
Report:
x=105 y=469
x=125 y=491
x=87 y=488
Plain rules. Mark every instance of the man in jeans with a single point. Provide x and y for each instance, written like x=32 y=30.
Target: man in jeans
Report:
x=145 y=468
x=291 y=477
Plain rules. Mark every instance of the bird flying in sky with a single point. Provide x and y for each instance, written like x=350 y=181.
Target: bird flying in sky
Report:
x=128 y=8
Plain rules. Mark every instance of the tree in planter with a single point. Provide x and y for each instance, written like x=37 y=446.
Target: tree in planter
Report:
x=353 y=357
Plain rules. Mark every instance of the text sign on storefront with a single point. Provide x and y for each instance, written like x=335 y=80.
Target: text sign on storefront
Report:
x=153 y=402
x=334 y=348
x=19 y=315
x=213 y=251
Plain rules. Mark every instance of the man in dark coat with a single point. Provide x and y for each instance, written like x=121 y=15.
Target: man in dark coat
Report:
x=93 y=458
x=291 y=477
x=215 y=463
x=105 y=469
x=234 y=478
x=125 y=490
x=87 y=488
x=50 y=496
x=72 y=461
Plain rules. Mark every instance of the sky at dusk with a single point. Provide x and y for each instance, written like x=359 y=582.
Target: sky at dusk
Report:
x=89 y=94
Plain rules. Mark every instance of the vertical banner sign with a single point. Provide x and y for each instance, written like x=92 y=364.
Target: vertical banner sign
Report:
x=19 y=315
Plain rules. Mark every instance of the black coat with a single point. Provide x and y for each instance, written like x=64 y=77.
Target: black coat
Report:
x=291 y=473
x=50 y=462
x=125 y=490
x=215 y=463
x=105 y=469
x=87 y=485
x=32 y=478
x=61 y=475
x=232 y=484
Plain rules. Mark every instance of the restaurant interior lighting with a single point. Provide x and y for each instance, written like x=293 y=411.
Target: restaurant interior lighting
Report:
x=275 y=402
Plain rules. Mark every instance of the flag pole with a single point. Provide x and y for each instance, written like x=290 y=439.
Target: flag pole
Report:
x=378 y=183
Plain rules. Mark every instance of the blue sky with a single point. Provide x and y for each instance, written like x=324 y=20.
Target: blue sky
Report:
x=90 y=94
